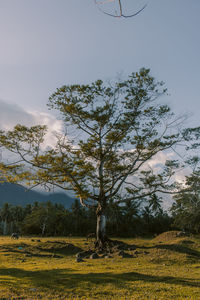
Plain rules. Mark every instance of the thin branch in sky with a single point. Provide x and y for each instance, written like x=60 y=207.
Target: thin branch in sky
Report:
x=104 y=2
x=98 y=3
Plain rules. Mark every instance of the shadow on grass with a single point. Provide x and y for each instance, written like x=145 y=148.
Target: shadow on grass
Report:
x=64 y=249
x=179 y=249
x=66 y=279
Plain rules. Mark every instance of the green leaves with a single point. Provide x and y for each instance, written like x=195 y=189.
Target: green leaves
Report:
x=113 y=131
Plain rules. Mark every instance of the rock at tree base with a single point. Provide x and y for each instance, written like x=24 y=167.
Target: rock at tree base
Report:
x=94 y=256
x=79 y=259
x=84 y=254
x=125 y=255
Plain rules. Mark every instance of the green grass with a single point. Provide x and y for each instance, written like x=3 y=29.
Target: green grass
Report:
x=48 y=270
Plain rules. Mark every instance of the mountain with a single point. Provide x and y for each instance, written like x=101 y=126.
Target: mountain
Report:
x=19 y=195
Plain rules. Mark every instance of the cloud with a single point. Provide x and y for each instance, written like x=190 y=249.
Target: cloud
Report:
x=12 y=114
x=158 y=161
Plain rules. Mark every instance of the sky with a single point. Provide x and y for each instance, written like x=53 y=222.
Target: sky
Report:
x=48 y=43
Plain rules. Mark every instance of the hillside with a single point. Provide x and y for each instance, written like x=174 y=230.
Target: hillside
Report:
x=19 y=195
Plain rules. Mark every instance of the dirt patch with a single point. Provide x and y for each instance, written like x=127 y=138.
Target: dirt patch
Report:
x=56 y=242
x=84 y=254
x=119 y=245
x=113 y=246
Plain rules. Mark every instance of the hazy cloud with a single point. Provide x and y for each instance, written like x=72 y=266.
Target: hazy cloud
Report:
x=157 y=162
x=12 y=114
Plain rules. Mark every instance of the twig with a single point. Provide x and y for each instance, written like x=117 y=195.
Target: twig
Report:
x=120 y=9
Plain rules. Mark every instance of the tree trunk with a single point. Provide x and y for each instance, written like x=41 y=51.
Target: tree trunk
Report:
x=5 y=227
x=101 y=230
x=43 y=228
x=11 y=227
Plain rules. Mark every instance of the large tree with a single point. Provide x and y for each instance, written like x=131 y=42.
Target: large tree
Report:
x=113 y=132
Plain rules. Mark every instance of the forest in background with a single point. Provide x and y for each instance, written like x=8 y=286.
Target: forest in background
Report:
x=48 y=219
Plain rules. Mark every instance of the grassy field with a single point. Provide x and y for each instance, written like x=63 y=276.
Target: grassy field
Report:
x=166 y=267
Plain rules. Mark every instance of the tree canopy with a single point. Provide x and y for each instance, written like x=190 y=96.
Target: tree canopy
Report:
x=112 y=132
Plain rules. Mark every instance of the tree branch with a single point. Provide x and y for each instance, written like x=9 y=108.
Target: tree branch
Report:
x=120 y=10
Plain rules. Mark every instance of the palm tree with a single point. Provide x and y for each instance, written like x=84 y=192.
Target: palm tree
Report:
x=7 y=218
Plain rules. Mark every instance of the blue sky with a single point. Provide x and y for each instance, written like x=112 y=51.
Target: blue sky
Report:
x=48 y=43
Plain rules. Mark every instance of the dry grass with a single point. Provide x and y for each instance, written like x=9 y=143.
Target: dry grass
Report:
x=47 y=269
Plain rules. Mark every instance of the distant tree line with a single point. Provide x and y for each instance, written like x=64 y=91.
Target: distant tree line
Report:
x=47 y=219
x=130 y=220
